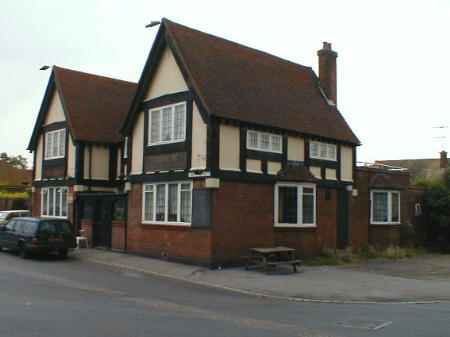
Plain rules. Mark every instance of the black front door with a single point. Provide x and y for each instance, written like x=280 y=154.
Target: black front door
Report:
x=343 y=219
x=102 y=222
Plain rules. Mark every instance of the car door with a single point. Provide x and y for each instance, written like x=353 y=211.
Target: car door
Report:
x=7 y=235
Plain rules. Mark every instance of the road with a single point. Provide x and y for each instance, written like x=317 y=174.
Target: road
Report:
x=51 y=297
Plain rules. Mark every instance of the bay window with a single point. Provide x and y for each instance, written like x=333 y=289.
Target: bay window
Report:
x=54 y=202
x=295 y=205
x=55 y=144
x=385 y=207
x=167 y=124
x=167 y=203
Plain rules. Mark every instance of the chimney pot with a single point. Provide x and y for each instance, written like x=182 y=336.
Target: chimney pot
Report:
x=444 y=160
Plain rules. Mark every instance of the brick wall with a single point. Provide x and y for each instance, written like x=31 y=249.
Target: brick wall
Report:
x=362 y=231
x=118 y=235
x=86 y=230
x=310 y=241
x=172 y=242
x=242 y=218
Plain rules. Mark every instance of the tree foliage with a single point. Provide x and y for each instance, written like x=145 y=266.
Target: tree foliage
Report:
x=437 y=205
x=16 y=161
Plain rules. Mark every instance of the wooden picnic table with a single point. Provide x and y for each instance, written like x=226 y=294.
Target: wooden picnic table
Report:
x=272 y=257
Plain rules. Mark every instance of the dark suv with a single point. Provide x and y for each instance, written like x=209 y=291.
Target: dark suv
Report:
x=37 y=235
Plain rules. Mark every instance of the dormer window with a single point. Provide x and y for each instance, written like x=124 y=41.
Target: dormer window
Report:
x=323 y=151
x=263 y=141
x=55 y=144
x=167 y=124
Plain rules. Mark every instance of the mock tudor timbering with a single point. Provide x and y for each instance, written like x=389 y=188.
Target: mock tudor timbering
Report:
x=217 y=149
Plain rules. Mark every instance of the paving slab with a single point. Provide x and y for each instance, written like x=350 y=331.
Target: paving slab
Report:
x=377 y=281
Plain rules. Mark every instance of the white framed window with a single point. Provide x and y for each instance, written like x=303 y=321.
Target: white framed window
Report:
x=54 y=202
x=55 y=144
x=167 y=203
x=324 y=151
x=295 y=205
x=125 y=148
x=384 y=207
x=167 y=124
x=263 y=141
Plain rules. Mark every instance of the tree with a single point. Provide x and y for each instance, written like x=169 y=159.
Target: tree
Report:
x=16 y=161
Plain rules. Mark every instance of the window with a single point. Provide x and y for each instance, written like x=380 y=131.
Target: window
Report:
x=168 y=203
x=55 y=144
x=385 y=207
x=262 y=141
x=295 y=205
x=325 y=151
x=125 y=148
x=54 y=202
x=167 y=124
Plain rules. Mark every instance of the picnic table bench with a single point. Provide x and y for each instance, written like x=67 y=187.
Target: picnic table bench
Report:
x=268 y=258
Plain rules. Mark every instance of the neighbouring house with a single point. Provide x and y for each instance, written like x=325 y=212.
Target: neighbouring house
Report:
x=427 y=169
x=77 y=145
x=218 y=148
x=15 y=187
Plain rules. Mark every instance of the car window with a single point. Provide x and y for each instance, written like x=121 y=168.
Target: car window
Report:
x=3 y=216
x=54 y=227
x=18 y=228
x=10 y=225
x=29 y=227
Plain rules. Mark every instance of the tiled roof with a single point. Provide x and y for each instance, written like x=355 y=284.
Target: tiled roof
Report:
x=244 y=84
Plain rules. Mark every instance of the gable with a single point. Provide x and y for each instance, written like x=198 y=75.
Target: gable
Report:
x=55 y=111
x=168 y=78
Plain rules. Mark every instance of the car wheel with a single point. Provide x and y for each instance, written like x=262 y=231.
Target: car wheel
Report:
x=63 y=253
x=23 y=253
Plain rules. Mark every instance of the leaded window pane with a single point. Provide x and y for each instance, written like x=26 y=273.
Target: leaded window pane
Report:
x=154 y=129
x=166 y=133
x=287 y=205
x=308 y=207
x=186 y=200
x=57 y=201
x=148 y=203
x=276 y=143
x=253 y=139
x=62 y=143
x=173 y=202
x=51 y=199
x=160 y=202
x=45 y=202
x=380 y=206
x=265 y=141
x=180 y=113
x=314 y=149
x=64 y=202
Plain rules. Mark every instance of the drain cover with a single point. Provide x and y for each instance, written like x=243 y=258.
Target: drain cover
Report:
x=365 y=324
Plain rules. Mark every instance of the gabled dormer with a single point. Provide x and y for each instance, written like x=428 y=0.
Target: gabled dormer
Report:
x=76 y=139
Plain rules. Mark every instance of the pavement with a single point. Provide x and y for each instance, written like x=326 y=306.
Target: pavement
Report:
x=425 y=279
x=47 y=296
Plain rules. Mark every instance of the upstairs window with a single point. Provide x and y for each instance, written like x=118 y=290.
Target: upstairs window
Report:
x=324 y=151
x=55 y=144
x=385 y=207
x=263 y=141
x=167 y=124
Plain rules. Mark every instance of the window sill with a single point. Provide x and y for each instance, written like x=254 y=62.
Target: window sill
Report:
x=52 y=158
x=294 y=226
x=53 y=217
x=166 y=143
x=169 y=224
x=385 y=223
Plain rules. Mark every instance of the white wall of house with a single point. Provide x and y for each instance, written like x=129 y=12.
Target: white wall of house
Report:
x=39 y=156
x=168 y=78
x=346 y=163
x=296 y=148
x=55 y=111
x=70 y=158
x=229 y=148
x=199 y=136
x=137 y=150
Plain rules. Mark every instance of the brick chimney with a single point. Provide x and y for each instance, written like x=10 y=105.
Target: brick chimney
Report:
x=327 y=71
x=444 y=160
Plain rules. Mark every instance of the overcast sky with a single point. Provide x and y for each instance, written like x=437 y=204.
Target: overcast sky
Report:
x=393 y=68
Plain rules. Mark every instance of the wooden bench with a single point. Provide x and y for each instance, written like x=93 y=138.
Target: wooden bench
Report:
x=269 y=258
